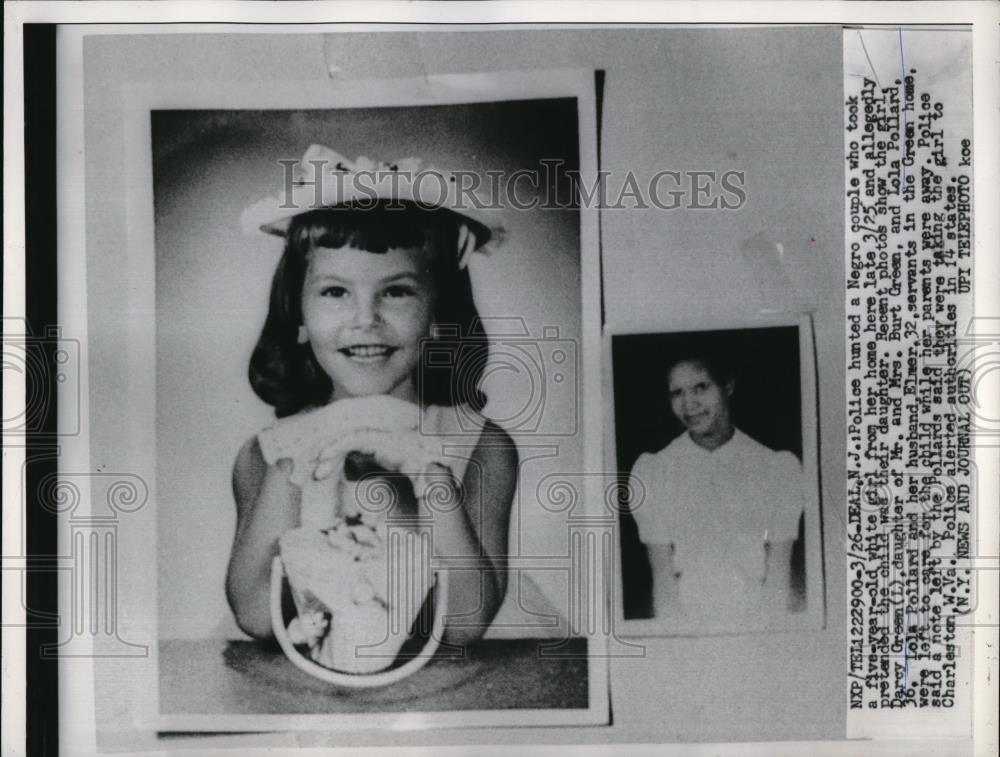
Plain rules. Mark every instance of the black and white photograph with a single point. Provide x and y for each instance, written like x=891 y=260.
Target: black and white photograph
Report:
x=715 y=442
x=528 y=378
x=360 y=318
x=371 y=321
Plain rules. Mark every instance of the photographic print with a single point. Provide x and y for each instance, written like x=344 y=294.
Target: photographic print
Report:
x=361 y=314
x=396 y=378
x=715 y=440
x=372 y=306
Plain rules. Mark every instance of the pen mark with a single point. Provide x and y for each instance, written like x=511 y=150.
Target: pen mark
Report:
x=906 y=654
x=870 y=64
x=902 y=68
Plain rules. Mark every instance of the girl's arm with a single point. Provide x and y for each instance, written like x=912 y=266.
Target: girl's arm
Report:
x=474 y=536
x=267 y=505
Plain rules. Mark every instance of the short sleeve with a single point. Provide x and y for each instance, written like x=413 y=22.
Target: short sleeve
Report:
x=788 y=498
x=638 y=483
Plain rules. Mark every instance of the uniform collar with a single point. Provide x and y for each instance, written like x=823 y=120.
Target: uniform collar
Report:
x=735 y=443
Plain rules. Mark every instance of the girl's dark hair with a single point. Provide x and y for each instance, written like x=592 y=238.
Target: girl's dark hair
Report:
x=286 y=375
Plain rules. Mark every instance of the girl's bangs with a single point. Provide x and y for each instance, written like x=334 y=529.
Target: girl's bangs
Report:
x=376 y=229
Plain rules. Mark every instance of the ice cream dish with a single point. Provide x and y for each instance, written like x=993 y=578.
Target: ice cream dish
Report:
x=352 y=615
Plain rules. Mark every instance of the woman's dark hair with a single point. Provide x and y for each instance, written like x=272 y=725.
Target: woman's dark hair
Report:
x=286 y=375
x=717 y=366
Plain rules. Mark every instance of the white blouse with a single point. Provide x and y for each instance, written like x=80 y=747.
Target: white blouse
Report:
x=718 y=508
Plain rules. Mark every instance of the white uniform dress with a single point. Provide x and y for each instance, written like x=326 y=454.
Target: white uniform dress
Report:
x=718 y=508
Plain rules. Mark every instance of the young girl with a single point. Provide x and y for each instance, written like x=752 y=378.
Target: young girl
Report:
x=366 y=301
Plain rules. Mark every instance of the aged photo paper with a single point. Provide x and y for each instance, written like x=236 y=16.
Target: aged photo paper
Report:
x=490 y=376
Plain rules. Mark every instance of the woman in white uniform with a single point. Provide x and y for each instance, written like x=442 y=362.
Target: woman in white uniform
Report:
x=721 y=510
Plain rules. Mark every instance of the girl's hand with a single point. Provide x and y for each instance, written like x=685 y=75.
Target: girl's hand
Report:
x=394 y=478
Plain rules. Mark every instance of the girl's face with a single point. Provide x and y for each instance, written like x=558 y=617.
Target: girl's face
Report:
x=364 y=315
x=698 y=400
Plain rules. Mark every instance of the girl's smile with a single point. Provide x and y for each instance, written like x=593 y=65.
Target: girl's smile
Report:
x=364 y=315
x=368 y=353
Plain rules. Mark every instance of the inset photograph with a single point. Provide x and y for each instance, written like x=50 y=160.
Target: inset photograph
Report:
x=714 y=440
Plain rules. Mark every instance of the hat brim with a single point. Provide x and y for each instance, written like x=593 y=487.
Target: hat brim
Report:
x=273 y=215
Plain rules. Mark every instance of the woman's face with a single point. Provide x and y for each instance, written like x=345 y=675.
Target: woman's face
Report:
x=364 y=315
x=698 y=400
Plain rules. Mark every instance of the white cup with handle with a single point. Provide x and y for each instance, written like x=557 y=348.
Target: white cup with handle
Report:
x=356 y=603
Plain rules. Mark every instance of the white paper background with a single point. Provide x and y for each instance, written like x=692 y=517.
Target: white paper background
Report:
x=674 y=99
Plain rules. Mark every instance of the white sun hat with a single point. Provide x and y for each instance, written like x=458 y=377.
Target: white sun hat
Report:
x=324 y=178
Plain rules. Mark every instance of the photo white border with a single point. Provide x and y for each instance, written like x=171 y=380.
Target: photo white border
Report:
x=139 y=99
x=814 y=615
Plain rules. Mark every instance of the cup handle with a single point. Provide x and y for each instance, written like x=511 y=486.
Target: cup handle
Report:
x=356 y=680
